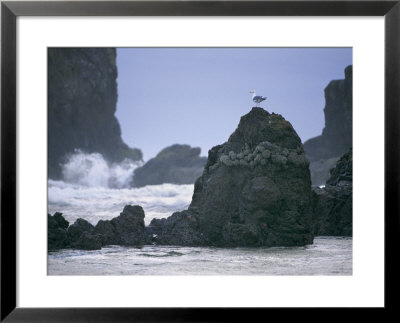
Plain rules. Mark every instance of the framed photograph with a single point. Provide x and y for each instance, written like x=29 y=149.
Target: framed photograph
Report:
x=196 y=157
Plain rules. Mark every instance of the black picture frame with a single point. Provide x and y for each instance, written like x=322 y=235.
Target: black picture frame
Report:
x=10 y=10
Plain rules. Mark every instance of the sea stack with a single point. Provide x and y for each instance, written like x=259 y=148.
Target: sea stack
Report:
x=82 y=100
x=337 y=136
x=255 y=190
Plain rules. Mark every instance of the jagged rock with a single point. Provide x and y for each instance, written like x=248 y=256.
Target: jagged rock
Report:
x=254 y=199
x=156 y=226
x=82 y=98
x=88 y=241
x=126 y=230
x=129 y=227
x=178 y=164
x=80 y=225
x=106 y=230
x=59 y=220
x=82 y=236
x=57 y=235
x=178 y=229
x=333 y=204
x=337 y=136
x=343 y=172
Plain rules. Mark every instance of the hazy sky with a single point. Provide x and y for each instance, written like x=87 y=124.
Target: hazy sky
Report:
x=196 y=96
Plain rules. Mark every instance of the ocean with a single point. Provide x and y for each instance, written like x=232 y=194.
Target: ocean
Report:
x=93 y=190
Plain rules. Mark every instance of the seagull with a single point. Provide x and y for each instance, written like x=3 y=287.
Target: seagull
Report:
x=257 y=98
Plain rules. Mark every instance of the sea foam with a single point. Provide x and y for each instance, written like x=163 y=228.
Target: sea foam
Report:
x=92 y=170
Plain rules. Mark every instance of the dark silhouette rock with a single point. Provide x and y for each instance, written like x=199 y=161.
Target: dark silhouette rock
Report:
x=156 y=226
x=129 y=227
x=106 y=230
x=82 y=96
x=88 y=241
x=78 y=227
x=343 y=172
x=57 y=235
x=126 y=230
x=337 y=136
x=178 y=164
x=82 y=236
x=60 y=221
x=333 y=204
x=178 y=229
x=255 y=191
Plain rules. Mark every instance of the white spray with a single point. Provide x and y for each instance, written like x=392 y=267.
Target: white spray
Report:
x=92 y=170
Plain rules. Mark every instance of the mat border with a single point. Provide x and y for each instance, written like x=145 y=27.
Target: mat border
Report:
x=10 y=10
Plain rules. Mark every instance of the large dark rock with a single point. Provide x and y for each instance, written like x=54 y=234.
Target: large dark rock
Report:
x=82 y=236
x=255 y=191
x=106 y=230
x=88 y=241
x=178 y=164
x=129 y=226
x=127 y=229
x=57 y=235
x=178 y=229
x=78 y=228
x=337 y=136
x=82 y=96
x=333 y=204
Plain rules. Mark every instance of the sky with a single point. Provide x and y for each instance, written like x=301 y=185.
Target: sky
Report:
x=196 y=96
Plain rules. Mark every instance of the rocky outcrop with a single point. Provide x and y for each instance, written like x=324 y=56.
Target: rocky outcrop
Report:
x=81 y=235
x=342 y=174
x=82 y=96
x=126 y=230
x=178 y=164
x=337 y=136
x=57 y=235
x=178 y=229
x=333 y=204
x=255 y=191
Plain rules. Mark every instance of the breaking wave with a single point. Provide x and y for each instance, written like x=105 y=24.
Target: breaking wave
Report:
x=94 y=190
x=92 y=170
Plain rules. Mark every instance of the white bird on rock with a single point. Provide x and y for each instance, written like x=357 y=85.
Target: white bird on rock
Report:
x=257 y=98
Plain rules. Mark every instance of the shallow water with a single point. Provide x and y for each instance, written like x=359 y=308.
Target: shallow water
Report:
x=327 y=256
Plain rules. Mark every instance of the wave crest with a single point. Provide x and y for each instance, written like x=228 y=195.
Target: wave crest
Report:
x=92 y=170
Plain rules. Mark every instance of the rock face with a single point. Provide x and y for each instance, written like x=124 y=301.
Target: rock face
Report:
x=333 y=204
x=126 y=230
x=82 y=236
x=178 y=229
x=82 y=96
x=337 y=136
x=178 y=164
x=255 y=191
x=57 y=235
x=342 y=174
x=129 y=226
